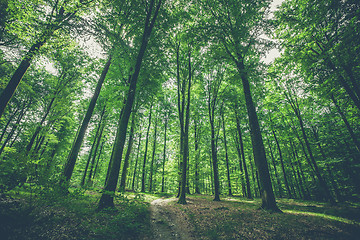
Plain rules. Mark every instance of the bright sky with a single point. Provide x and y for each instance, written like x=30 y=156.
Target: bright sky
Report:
x=272 y=54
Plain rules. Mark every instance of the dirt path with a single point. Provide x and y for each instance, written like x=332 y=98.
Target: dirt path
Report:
x=166 y=223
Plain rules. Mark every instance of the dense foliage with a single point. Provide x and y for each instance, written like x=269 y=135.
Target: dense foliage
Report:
x=174 y=96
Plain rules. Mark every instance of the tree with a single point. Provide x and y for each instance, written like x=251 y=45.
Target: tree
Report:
x=59 y=17
x=237 y=26
x=70 y=164
x=183 y=95
x=107 y=199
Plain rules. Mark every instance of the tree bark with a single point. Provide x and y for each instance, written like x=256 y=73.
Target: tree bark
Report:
x=136 y=163
x=107 y=200
x=11 y=133
x=282 y=165
x=185 y=134
x=127 y=156
x=226 y=155
x=322 y=182
x=92 y=165
x=92 y=147
x=153 y=159
x=71 y=160
x=248 y=188
x=197 y=156
x=267 y=194
x=164 y=155
x=275 y=170
x=145 y=154
x=14 y=82
x=97 y=161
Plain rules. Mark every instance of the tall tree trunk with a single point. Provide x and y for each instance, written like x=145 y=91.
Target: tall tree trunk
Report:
x=226 y=155
x=267 y=194
x=185 y=159
x=97 y=163
x=11 y=133
x=136 y=162
x=322 y=182
x=145 y=154
x=90 y=154
x=39 y=127
x=181 y=108
x=107 y=200
x=236 y=141
x=275 y=170
x=248 y=188
x=127 y=155
x=197 y=156
x=71 y=160
x=92 y=164
x=253 y=177
x=92 y=146
x=282 y=165
x=328 y=170
x=153 y=159
x=14 y=82
x=215 y=164
x=164 y=155
x=302 y=183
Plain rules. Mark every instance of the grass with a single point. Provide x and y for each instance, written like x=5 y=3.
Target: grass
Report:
x=239 y=218
x=47 y=214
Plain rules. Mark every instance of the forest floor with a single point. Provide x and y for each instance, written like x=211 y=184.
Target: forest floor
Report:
x=239 y=218
x=48 y=215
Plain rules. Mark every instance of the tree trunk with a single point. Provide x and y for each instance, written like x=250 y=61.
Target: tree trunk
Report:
x=282 y=165
x=71 y=160
x=267 y=194
x=226 y=156
x=11 y=133
x=197 y=156
x=214 y=164
x=97 y=161
x=91 y=150
x=275 y=170
x=14 y=82
x=328 y=170
x=185 y=134
x=92 y=165
x=39 y=127
x=253 y=177
x=127 y=156
x=248 y=188
x=317 y=170
x=107 y=200
x=136 y=163
x=153 y=159
x=145 y=154
x=164 y=155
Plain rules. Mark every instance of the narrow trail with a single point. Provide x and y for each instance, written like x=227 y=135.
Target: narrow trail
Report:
x=165 y=223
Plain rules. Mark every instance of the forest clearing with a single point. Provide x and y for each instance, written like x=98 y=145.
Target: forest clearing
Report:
x=179 y=119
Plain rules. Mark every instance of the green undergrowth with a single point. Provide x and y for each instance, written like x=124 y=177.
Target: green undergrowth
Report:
x=240 y=218
x=45 y=213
